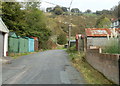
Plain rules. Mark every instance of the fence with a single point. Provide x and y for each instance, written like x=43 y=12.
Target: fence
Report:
x=107 y=64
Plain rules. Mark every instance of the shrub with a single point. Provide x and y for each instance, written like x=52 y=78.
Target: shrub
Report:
x=62 y=39
x=72 y=49
x=48 y=44
x=112 y=47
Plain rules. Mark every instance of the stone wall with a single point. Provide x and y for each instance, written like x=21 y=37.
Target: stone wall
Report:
x=107 y=64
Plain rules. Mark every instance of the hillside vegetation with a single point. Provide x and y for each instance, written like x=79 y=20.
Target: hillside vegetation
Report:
x=26 y=19
x=60 y=23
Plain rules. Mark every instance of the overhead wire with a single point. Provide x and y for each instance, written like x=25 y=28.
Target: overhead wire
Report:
x=52 y=3
x=57 y=4
x=71 y=3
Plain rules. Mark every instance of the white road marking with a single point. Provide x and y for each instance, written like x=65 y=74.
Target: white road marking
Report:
x=14 y=79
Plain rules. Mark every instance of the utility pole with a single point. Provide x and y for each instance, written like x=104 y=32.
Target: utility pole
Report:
x=70 y=26
x=70 y=23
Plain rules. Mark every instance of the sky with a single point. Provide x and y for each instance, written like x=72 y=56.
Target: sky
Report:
x=83 y=5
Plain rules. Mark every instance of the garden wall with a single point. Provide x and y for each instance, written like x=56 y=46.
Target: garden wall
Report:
x=107 y=64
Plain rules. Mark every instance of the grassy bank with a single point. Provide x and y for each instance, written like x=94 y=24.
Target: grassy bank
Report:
x=17 y=55
x=91 y=75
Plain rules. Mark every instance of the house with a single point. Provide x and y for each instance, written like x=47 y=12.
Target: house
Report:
x=115 y=23
x=97 y=36
x=3 y=39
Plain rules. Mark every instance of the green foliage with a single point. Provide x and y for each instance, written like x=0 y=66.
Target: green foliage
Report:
x=104 y=12
x=49 y=9
x=116 y=10
x=12 y=15
x=119 y=9
x=72 y=49
x=54 y=26
x=103 y=22
x=49 y=44
x=112 y=47
x=64 y=9
x=75 y=10
x=0 y=8
x=58 y=10
x=61 y=39
x=88 y=11
x=27 y=22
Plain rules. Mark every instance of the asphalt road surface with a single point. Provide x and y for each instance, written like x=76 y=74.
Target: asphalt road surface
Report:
x=48 y=67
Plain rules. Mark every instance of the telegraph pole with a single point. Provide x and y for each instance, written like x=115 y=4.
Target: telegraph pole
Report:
x=70 y=23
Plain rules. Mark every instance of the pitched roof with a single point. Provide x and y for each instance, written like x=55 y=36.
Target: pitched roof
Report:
x=13 y=34
x=97 y=32
x=118 y=30
x=113 y=19
x=3 y=27
x=79 y=35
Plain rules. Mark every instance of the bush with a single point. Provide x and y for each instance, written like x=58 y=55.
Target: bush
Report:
x=62 y=39
x=72 y=49
x=48 y=45
x=58 y=10
x=112 y=47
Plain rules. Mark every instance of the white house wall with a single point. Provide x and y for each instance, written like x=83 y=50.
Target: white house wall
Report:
x=5 y=44
x=1 y=44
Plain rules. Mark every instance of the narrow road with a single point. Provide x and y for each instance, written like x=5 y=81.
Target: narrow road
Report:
x=49 y=67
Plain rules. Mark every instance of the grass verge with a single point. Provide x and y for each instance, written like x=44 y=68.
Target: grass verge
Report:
x=17 y=55
x=91 y=75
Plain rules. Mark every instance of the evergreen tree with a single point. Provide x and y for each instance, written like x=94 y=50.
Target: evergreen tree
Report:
x=103 y=22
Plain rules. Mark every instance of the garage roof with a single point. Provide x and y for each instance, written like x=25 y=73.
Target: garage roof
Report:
x=97 y=32
x=3 y=27
x=100 y=32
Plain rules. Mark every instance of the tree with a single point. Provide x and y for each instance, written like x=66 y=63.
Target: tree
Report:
x=64 y=9
x=99 y=12
x=13 y=17
x=61 y=39
x=49 y=9
x=119 y=9
x=58 y=10
x=115 y=11
x=0 y=8
x=88 y=11
x=103 y=22
x=37 y=27
x=28 y=22
x=75 y=10
x=104 y=12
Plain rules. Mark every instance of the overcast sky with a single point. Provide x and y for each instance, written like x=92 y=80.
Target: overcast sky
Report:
x=83 y=5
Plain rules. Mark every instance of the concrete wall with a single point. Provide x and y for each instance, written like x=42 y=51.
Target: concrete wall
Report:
x=107 y=64
x=96 y=41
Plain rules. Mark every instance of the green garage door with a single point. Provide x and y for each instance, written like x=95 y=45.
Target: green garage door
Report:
x=1 y=44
